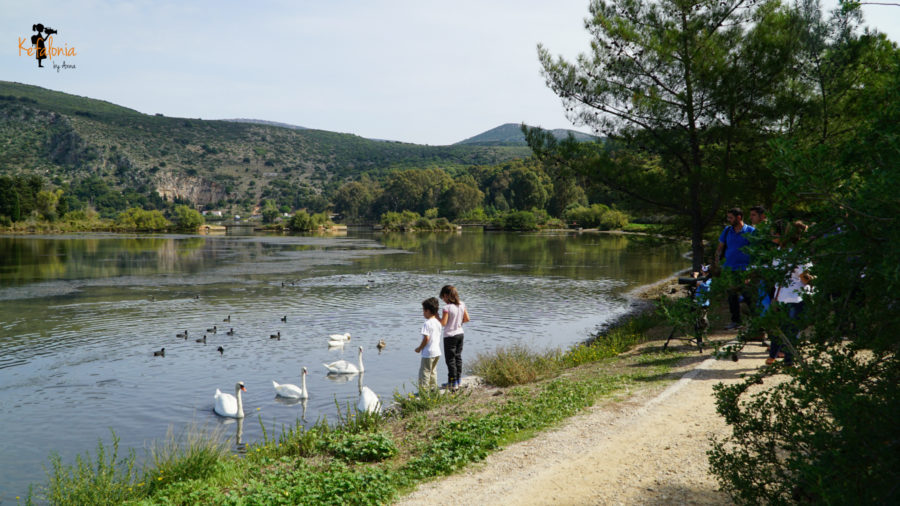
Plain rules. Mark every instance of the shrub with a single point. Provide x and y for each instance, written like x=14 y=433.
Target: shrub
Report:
x=587 y=217
x=597 y=216
x=409 y=220
x=140 y=219
x=477 y=215
x=423 y=224
x=613 y=220
x=520 y=220
x=301 y=221
x=187 y=218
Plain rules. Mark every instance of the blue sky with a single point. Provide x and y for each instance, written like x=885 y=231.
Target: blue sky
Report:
x=417 y=71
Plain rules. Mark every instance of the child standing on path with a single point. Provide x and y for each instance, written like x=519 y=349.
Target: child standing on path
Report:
x=430 y=347
x=453 y=316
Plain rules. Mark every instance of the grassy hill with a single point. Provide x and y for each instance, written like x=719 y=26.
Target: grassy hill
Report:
x=510 y=134
x=65 y=137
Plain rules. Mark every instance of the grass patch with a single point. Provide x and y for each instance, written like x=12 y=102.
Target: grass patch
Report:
x=515 y=365
x=518 y=365
x=367 y=458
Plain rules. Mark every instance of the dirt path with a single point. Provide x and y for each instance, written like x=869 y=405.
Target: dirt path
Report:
x=647 y=449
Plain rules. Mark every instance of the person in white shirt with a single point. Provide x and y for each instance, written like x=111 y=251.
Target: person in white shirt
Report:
x=453 y=316
x=789 y=296
x=430 y=347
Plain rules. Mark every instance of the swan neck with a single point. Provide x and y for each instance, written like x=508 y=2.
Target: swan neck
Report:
x=360 y=362
x=240 y=404
x=303 y=383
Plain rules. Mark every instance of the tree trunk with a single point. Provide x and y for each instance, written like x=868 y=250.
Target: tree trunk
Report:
x=697 y=226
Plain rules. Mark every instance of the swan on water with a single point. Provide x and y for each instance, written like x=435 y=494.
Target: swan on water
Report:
x=292 y=391
x=344 y=367
x=228 y=405
x=338 y=339
x=368 y=401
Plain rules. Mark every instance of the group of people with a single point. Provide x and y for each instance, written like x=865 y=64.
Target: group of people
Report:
x=449 y=329
x=760 y=296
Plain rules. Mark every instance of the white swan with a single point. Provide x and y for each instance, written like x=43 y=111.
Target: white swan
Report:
x=338 y=339
x=230 y=405
x=344 y=367
x=368 y=401
x=292 y=391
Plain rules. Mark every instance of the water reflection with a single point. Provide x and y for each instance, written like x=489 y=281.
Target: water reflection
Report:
x=339 y=378
x=82 y=314
x=239 y=444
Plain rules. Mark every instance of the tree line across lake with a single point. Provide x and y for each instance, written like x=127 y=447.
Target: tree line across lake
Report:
x=517 y=195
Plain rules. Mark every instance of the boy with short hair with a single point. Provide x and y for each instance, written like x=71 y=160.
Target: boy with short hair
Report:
x=430 y=347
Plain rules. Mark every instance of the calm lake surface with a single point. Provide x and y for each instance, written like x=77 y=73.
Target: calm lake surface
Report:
x=81 y=315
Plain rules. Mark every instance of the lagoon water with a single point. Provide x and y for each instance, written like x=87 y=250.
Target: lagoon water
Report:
x=81 y=315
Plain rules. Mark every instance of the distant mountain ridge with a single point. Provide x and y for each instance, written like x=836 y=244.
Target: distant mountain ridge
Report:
x=64 y=138
x=510 y=134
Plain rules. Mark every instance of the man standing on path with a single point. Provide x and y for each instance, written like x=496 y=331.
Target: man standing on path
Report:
x=732 y=241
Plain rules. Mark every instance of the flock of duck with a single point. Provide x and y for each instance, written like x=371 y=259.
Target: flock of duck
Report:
x=231 y=406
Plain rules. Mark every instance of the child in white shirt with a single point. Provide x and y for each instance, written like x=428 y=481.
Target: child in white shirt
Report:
x=430 y=347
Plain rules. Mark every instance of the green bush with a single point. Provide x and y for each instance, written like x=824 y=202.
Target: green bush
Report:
x=597 y=216
x=423 y=224
x=586 y=217
x=409 y=220
x=302 y=221
x=476 y=215
x=187 y=219
x=520 y=220
x=139 y=219
x=613 y=220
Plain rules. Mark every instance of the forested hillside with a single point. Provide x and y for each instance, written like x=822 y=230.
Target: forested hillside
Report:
x=67 y=140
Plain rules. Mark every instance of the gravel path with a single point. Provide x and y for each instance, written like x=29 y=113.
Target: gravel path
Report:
x=647 y=449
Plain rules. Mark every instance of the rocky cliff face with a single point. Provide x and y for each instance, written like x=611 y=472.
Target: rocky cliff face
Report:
x=192 y=188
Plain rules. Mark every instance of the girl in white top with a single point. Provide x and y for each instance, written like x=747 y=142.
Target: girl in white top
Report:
x=453 y=315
